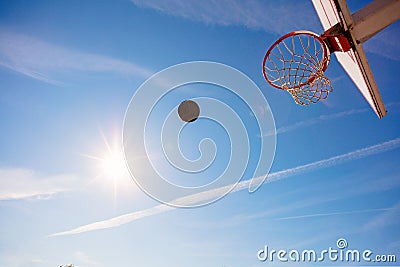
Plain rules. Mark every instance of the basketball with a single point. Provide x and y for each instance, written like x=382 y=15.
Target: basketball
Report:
x=188 y=111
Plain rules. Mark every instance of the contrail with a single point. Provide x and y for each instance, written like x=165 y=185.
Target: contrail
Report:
x=319 y=119
x=310 y=122
x=323 y=118
x=333 y=213
x=206 y=195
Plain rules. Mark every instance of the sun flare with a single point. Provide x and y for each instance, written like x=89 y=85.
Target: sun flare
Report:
x=112 y=166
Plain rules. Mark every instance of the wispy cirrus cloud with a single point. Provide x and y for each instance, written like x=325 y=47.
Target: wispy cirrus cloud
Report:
x=44 y=61
x=385 y=43
x=18 y=183
x=390 y=216
x=323 y=118
x=276 y=17
x=30 y=72
x=276 y=176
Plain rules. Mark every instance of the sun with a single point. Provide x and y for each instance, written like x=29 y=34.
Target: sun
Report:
x=110 y=169
x=112 y=166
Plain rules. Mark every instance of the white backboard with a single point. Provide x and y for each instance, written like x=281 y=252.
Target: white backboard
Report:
x=354 y=62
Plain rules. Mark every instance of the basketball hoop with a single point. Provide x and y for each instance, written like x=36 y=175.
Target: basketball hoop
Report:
x=296 y=63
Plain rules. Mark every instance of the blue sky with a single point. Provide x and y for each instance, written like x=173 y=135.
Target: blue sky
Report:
x=67 y=73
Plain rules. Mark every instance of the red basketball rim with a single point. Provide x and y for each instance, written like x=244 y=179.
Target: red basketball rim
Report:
x=326 y=56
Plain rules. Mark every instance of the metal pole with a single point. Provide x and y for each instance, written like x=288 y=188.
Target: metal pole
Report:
x=374 y=17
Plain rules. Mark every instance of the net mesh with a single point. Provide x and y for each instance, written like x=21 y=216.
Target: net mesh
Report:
x=312 y=92
x=296 y=63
